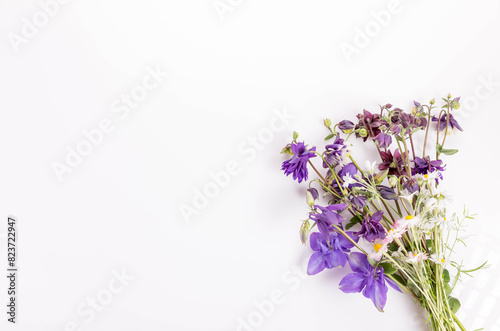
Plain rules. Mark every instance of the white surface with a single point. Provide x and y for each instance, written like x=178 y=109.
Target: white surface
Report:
x=119 y=209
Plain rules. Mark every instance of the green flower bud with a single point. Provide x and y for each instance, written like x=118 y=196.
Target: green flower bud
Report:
x=309 y=199
x=393 y=181
x=455 y=104
x=432 y=101
x=363 y=132
x=304 y=231
x=327 y=122
x=295 y=135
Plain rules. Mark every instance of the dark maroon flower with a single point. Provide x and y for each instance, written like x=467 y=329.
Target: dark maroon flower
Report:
x=371 y=122
x=394 y=163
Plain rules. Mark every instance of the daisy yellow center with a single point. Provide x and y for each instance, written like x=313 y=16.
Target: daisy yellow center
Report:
x=426 y=176
x=442 y=260
x=377 y=247
x=409 y=217
x=444 y=218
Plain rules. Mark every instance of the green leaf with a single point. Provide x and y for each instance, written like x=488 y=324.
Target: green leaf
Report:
x=454 y=304
x=330 y=136
x=439 y=148
x=415 y=130
x=392 y=247
x=355 y=220
x=446 y=276
x=399 y=279
x=388 y=268
x=447 y=288
x=295 y=135
x=449 y=151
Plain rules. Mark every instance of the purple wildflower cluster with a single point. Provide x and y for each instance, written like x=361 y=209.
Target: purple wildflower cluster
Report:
x=371 y=199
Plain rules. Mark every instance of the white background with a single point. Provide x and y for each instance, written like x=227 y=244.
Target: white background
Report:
x=119 y=208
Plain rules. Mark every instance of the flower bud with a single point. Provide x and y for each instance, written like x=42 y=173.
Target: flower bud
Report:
x=387 y=193
x=363 y=132
x=311 y=196
x=304 y=231
x=346 y=126
x=393 y=181
x=455 y=103
x=327 y=122
x=432 y=101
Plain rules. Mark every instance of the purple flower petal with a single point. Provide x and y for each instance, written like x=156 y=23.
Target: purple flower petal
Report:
x=316 y=264
x=352 y=283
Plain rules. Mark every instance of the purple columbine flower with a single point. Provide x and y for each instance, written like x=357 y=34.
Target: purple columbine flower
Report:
x=365 y=278
x=411 y=185
x=328 y=217
x=442 y=122
x=426 y=166
x=297 y=165
x=349 y=169
x=329 y=254
x=333 y=152
x=371 y=229
x=384 y=140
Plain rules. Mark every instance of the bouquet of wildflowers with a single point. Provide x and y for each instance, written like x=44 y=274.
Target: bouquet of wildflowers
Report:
x=387 y=220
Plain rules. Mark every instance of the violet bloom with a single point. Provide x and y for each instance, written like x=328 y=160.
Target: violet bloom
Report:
x=297 y=165
x=328 y=217
x=371 y=229
x=365 y=278
x=350 y=170
x=329 y=254
x=384 y=140
x=333 y=153
x=426 y=166
x=443 y=120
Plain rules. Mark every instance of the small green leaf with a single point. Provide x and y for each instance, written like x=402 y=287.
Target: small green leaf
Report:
x=388 y=268
x=295 y=135
x=447 y=288
x=449 y=151
x=439 y=148
x=416 y=130
x=355 y=220
x=392 y=247
x=399 y=279
x=330 y=136
x=454 y=304
x=446 y=276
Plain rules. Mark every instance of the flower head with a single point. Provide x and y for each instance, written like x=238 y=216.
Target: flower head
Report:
x=383 y=140
x=371 y=229
x=328 y=217
x=335 y=153
x=365 y=278
x=328 y=254
x=394 y=163
x=297 y=165
x=443 y=120
x=426 y=167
